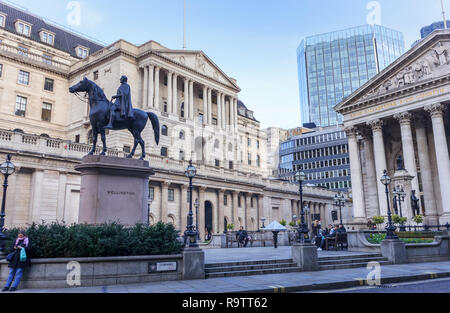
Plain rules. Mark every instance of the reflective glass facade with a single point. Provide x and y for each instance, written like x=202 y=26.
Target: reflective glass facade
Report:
x=333 y=65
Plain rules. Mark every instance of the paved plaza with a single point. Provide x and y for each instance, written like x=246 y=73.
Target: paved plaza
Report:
x=283 y=282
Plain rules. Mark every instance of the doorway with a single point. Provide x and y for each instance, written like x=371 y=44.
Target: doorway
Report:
x=208 y=217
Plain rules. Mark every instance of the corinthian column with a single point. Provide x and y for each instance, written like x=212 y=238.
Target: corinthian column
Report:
x=169 y=92
x=205 y=105
x=371 y=199
x=380 y=162
x=408 y=147
x=156 y=102
x=145 y=85
x=443 y=163
x=175 y=108
x=425 y=171
x=219 y=111
x=356 y=174
x=151 y=84
x=221 y=215
x=209 y=106
x=191 y=100
x=187 y=105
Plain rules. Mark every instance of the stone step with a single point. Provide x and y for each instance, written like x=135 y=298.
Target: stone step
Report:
x=348 y=265
x=241 y=268
x=254 y=272
x=243 y=263
x=352 y=256
x=349 y=261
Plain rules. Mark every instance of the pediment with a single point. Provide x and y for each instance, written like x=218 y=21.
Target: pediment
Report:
x=199 y=62
x=427 y=61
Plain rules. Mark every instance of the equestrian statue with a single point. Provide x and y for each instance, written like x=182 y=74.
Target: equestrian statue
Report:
x=118 y=115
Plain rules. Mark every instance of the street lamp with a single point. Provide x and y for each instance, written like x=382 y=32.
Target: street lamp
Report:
x=303 y=229
x=263 y=219
x=399 y=196
x=390 y=228
x=191 y=233
x=196 y=205
x=7 y=168
x=149 y=205
x=339 y=200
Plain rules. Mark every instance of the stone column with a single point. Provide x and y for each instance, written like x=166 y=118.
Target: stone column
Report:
x=156 y=102
x=219 y=111
x=151 y=86
x=169 y=92
x=36 y=195
x=205 y=105
x=145 y=88
x=209 y=106
x=248 y=207
x=356 y=174
x=164 y=202
x=260 y=211
x=184 y=207
x=443 y=163
x=61 y=195
x=235 y=115
x=191 y=100
x=187 y=106
x=235 y=195
x=371 y=199
x=380 y=162
x=408 y=148
x=175 y=108
x=225 y=113
x=221 y=195
x=201 y=212
x=426 y=172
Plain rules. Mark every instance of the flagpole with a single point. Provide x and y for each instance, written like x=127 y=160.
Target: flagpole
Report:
x=443 y=14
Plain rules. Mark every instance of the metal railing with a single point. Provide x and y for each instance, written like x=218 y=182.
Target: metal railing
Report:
x=414 y=228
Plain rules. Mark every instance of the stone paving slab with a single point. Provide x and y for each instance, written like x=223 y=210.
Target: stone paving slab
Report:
x=291 y=282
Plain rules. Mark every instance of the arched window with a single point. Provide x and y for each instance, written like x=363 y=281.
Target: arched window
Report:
x=182 y=110
x=181 y=136
x=164 y=130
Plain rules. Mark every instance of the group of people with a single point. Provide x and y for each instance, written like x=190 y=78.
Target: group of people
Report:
x=319 y=235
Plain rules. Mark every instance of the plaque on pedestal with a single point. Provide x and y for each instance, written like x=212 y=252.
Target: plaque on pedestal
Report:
x=113 y=190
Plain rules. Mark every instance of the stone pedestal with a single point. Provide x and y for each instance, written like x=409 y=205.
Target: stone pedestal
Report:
x=113 y=190
x=193 y=264
x=394 y=250
x=305 y=255
x=403 y=178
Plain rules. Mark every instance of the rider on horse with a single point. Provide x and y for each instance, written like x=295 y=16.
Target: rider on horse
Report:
x=123 y=102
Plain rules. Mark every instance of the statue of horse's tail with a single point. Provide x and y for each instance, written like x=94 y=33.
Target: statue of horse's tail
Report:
x=155 y=123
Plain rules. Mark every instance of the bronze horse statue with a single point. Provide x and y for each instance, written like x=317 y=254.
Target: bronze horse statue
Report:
x=100 y=114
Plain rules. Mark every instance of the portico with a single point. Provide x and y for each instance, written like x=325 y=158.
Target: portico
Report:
x=403 y=111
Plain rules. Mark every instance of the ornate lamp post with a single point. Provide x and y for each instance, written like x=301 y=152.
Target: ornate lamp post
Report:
x=191 y=171
x=399 y=196
x=303 y=229
x=339 y=200
x=390 y=228
x=149 y=205
x=7 y=168
x=196 y=205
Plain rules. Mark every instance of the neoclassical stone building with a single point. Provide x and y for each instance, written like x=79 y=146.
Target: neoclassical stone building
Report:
x=47 y=129
x=403 y=111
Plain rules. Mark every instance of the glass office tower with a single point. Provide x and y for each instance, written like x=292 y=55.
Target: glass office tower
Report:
x=331 y=66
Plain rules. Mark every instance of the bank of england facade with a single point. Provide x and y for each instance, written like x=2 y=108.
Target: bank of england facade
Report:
x=403 y=112
x=47 y=130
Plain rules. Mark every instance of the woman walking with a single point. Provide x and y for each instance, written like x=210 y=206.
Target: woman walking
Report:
x=18 y=260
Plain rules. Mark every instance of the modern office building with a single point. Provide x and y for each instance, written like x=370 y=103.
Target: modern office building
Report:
x=321 y=153
x=333 y=65
x=427 y=30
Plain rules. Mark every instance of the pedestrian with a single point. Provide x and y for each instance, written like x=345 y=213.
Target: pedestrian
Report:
x=19 y=260
x=242 y=236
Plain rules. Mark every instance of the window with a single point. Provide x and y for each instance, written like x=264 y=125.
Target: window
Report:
x=21 y=106
x=181 y=135
x=1 y=68
x=95 y=75
x=214 y=121
x=48 y=85
x=258 y=161
x=257 y=144
x=239 y=200
x=165 y=106
x=47 y=59
x=22 y=51
x=77 y=138
x=46 y=112
x=171 y=195
x=164 y=151
x=151 y=193
x=126 y=149
x=2 y=20
x=182 y=110
x=225 y=199
x=217 y=163
x=24 y=77
x=164 y=130
x=47 y=37
x=82 y=52
x=200 y=118
x=22 y=28
x=230 y=165
x=249 y=142
x=249 y=159
x=181 y=155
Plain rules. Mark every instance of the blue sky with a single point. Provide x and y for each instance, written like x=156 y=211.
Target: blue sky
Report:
x=253 y=41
